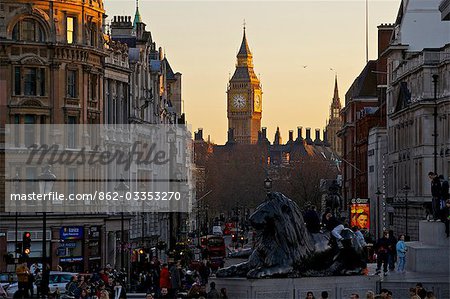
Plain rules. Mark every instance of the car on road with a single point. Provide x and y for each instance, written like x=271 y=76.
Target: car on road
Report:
x=7 y=278
x=217 y=230
x=57 y=280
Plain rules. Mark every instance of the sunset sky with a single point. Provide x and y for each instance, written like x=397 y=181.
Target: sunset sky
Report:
x=201 y=40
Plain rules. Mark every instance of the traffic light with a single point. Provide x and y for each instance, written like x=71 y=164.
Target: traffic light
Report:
x=26 y=246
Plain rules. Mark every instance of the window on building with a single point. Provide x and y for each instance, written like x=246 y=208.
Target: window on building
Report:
x=31 y=176
x=70 y=23
x=16 y=130
x=71 y=83
x=30 y=137
x=390 y=218
x=336 y=113
x=43 y=129
x=17 y=81
x=71 y=177
x=32 y=79
x=92 y=35
x=71 y=131
x=93 y=87
x=28 y=30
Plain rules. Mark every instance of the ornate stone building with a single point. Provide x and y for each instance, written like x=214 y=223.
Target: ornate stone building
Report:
x=51 y=55
x=58 y=65
x=51 y=72
x=414 y=57
x=335 y=122
x=244 y=98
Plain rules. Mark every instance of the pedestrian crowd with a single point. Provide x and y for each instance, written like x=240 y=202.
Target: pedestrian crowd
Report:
x=417 y=292
x=161 y=280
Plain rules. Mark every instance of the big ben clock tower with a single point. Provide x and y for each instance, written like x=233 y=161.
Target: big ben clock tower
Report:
x=244 y=98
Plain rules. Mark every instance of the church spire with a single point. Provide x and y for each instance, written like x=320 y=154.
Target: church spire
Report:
x=336 y=103
x=137 y=16
x=244 y=50
x=336 y=91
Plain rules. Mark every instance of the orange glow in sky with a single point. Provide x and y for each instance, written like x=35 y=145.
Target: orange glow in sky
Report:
x=295 y=44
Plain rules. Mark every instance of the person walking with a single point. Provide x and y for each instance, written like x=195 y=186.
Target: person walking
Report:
x=435 y=193
x=175 y=278
x=401 y=253
x=381 y=248
x=23 y=275
x=392 y=252
x=445 y=216
x=164 y=278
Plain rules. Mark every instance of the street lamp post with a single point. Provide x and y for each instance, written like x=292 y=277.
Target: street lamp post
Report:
x=435 y=114
x=46 y=182
x=378 y=193
x=122 y=187
x=17 y=190
x=406 y=189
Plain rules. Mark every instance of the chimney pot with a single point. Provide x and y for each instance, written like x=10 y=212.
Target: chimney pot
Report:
x=299 y=133
x=308 y=133
x=291 y=135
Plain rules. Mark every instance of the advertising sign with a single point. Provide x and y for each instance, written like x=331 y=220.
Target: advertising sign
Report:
x=71 y=259
x=71 y=233
x=360 y=213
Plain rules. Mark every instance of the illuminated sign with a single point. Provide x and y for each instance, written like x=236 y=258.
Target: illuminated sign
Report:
x=360 y=213
x=71 y=233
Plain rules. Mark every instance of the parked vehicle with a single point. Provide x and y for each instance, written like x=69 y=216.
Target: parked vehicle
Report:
x=217 y=230
x=57 y=280
x=7 y=278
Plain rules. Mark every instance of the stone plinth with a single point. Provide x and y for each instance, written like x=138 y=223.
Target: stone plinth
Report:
x=433 y=233
x=431 y=253
x=337 y=286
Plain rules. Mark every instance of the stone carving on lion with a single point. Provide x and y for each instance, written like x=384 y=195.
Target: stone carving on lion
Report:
x=284 y=247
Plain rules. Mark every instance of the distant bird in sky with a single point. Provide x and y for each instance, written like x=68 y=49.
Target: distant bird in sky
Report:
x=305 y=66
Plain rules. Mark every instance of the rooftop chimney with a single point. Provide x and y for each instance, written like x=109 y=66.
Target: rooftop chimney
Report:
x=317 y=140
x=291 y=136
x=299 y=134
x=198 y=136
x=308 y=136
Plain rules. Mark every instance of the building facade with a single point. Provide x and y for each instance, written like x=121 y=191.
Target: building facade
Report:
x=418 y=83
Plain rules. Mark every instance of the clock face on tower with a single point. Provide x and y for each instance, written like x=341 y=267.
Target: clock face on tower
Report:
x=258 y=103
x=239 y=101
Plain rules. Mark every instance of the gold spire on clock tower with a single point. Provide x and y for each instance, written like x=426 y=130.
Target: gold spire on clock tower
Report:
x=244 y=98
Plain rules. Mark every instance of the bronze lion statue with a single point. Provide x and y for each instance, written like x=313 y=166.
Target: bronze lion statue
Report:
x=284 y=247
